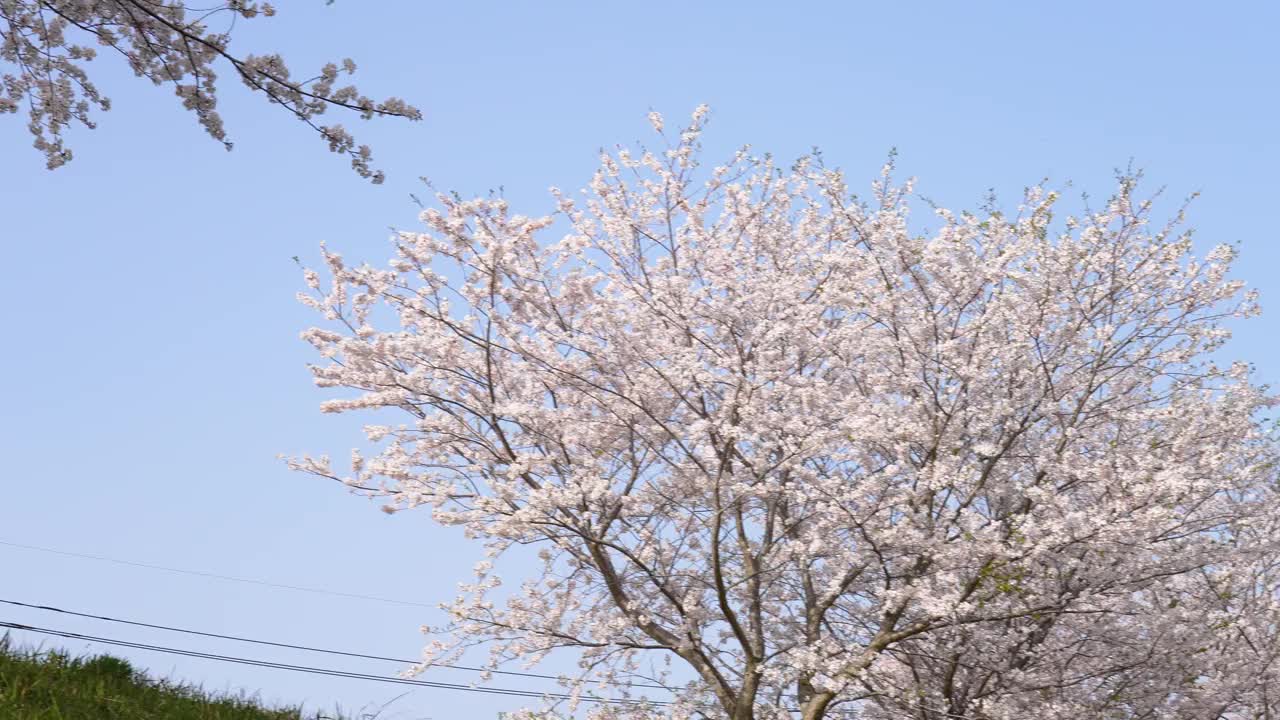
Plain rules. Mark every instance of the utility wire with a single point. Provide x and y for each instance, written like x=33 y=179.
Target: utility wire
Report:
x=298 y=668
x=325 y=671
x=240 y=638
x=329 y=671
x=215 y=576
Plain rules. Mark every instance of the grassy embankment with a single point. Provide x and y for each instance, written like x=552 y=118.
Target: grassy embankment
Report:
x=55 y=686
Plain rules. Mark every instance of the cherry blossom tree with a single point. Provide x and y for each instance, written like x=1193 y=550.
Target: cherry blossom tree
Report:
x=48 y=43
x=788 y=453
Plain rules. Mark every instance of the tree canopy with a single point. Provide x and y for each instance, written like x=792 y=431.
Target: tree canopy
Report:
x=785 y=451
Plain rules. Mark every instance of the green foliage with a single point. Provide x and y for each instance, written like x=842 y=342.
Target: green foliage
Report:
x=1004 y=579
x=56 y=686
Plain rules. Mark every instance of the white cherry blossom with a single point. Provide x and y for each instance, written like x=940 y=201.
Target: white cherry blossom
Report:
x=49 y=43
x=786 y=452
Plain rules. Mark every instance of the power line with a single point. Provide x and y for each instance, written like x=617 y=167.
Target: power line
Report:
x=325 y=671
x=240 y=638
x=215 y=576
x=339 y=673
x=512 y=692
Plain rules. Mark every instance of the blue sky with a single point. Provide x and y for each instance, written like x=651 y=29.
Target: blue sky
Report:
x=152 y=362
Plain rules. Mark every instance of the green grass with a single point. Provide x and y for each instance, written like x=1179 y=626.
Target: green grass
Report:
x=55 y=686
